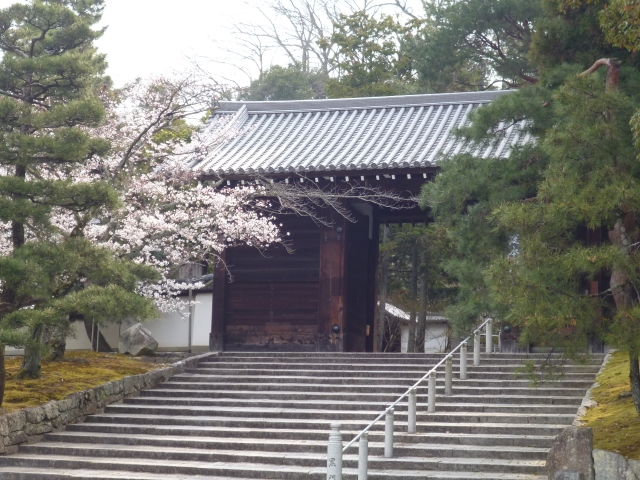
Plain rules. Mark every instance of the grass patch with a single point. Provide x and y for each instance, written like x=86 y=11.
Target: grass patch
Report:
x=615 y=422
x=78 y=371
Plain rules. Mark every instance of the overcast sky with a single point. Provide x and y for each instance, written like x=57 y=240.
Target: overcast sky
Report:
x=147 y=37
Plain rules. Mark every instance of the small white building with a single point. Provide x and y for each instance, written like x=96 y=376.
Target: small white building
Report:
x=436 y=335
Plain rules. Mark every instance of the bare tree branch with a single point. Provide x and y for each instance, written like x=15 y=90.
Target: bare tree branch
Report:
x=309 y=199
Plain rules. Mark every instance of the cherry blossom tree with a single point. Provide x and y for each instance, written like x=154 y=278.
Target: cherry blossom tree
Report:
x=167 y=217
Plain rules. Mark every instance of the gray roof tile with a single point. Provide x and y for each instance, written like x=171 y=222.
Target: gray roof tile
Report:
x=368 y=134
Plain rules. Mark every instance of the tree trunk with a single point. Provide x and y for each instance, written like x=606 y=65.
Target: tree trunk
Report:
x=634 y=379
x=2 y=373
x=382 y=295
x=423 y=296
x=97 y=339
x=411 y=347
x=31 y=367
x=56 y=341
x=17 y=228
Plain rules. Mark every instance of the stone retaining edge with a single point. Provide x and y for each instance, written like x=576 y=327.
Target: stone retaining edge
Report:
x=588 y=401
x=30 y=424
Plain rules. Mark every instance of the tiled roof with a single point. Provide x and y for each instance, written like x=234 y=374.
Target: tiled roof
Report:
x=404 y=316
x=356 y=134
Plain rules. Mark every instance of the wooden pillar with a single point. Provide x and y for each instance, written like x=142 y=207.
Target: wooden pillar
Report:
x=372 y=299
x=331 y=288
x=216 y=337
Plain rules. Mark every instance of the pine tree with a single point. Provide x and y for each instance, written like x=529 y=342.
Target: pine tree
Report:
x=50 y=73
x=546 y=237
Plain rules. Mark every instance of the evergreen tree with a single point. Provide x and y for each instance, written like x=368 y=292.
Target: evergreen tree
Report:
x=371 y=61
x=49 y=75
x=525 y=226
x=559 y=289
x=476 y=44
x=286 y=83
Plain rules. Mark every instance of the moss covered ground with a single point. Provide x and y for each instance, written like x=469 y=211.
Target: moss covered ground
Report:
x=78 y=371
x=615 y=422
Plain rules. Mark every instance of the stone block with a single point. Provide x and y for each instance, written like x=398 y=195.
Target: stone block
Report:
x=38 y=428
x=34 y=438
x=16 y=420
x=609 y=465
x=69 y=403
x=51 y=410
x=633 y=470
x=10 y=449
x=68 y=416
x=568 y=475
x=155 y=378
x=57 y=422
x=34 y=415
x=128 y=385
x=90 y=408
x=571 y=450
x=137 y=341
x=4 y=426
x=16 y=438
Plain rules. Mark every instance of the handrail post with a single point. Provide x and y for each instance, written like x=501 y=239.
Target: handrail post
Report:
x=363 y=456
x=448 y=376
x=476 y=348
x=388 y=434
x=334 y=453
x=411 y=424
x=489 y=344
x=463 y=361
x=431 y=407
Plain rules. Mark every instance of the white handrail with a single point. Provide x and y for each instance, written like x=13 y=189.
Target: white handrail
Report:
x=415 y=385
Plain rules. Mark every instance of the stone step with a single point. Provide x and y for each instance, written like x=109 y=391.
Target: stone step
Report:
x=350 y=373
x=323 y=356
x=34 y=473
x=286 y=414
x=77 y=453
x=366 y=362
x=266 y=416
x=444 y=404
x=367 y=381
x=393 y=389
x=233 y=395
x=497 y=365
x=226 y=433
x=68 y=439
x=259 y=423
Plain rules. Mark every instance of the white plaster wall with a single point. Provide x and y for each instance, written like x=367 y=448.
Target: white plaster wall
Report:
x=436 y=337
x=170 y=330
x=202 y=320
x=404 y=338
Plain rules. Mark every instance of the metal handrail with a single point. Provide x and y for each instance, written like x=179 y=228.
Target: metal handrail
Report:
x=414 y=386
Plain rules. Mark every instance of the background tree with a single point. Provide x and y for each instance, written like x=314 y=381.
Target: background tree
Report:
x=474 y=45
x=370 y=60
x=411 y=278
x=290 y=83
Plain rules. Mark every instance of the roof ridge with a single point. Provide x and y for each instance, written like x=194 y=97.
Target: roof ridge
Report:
x=279 y=106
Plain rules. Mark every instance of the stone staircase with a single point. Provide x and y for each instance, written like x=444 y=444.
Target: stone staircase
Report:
x=267 y=416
